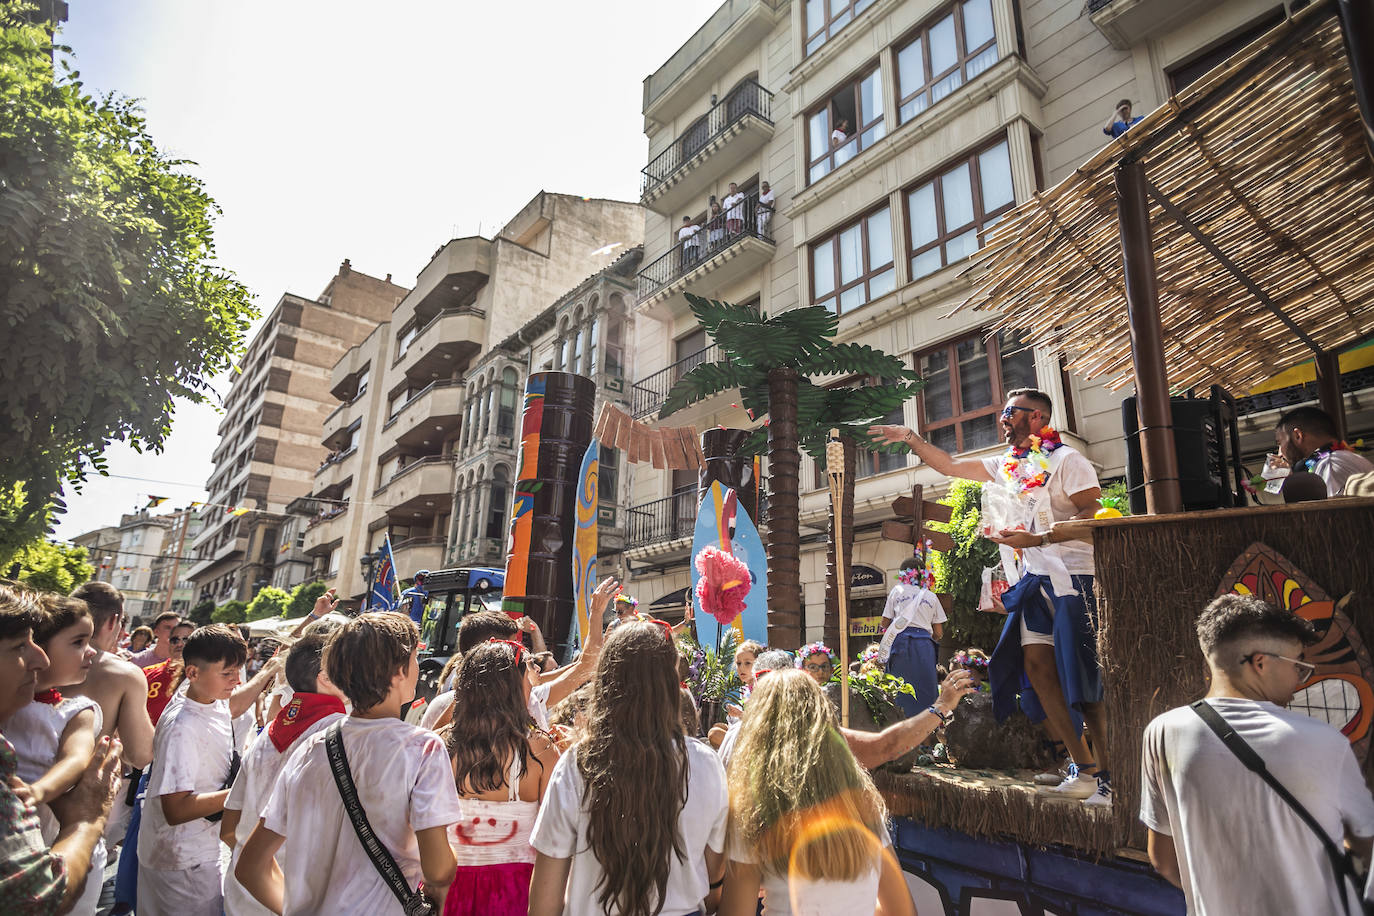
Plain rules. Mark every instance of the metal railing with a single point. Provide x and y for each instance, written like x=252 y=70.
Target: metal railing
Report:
x=663 y=520
x=1095 y=5
x=648 y=394
x=422 y=541
x=749 y=98
x=1306 y=393
x=745 y=219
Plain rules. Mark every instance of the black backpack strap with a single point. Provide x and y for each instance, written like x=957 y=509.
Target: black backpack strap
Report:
x=1340 y=860
x=413 y=901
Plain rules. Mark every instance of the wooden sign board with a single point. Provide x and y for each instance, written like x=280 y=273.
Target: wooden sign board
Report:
x=930 y=511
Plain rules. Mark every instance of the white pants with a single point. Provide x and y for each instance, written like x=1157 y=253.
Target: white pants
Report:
x=184 y=892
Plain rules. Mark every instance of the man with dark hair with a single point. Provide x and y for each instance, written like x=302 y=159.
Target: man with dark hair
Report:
x=481 y=626
x=315 y=705
x=1216 y=829
x=195 y=757
x=1306 y=437
x=118 y=686
x=403 y=779
x=160 y=650
x=1051 y=628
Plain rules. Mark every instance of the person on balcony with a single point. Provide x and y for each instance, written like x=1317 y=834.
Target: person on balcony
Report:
x=764 y=212
x=715 y=227
x=1121 y=120
x=734 y=211
x=687 y=238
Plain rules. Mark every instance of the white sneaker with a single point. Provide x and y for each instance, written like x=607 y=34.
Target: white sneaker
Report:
x=1102 y=798
x=1075 y=785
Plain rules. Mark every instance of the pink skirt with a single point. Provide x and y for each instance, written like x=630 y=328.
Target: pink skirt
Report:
x=490 y=890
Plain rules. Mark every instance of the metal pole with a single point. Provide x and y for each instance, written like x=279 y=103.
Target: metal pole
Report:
x=1329 y=389
x=1160 y=461
x=1357 y=28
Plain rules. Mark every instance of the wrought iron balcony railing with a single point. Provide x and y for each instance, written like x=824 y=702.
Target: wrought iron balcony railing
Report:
x=749 y=98
x=663 y=520
x=648 y=394
x=746 y=219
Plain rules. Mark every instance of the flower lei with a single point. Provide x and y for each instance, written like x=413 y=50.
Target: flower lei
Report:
x=962 y=659
x=815 y=648
x=1310 y=463
x=1027 y=468
x=870 y=654
x=920 y=578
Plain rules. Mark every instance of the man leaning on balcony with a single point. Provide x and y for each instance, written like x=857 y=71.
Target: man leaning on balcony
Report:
x=691 y=245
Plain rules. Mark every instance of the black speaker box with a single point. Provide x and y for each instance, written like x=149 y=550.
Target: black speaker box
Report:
x=1207 y=444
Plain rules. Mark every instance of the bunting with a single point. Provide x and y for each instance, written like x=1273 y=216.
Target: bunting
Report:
x=155 y=501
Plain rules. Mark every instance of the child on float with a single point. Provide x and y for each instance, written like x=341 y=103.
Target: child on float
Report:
x=975 y=661
x=634 y=818
x=501 y=767
x=808 y=827
x=54 y=736
x=818 y=661
x=916 y=626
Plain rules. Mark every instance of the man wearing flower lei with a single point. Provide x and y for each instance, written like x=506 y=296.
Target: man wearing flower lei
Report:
x=1051 y=629
x=1306 y=437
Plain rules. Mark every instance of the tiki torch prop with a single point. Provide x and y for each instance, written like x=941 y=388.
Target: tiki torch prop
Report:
x=834 y=469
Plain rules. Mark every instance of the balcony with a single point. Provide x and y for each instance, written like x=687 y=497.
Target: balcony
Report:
x=430 y=413
x=420 y=488
x=418 y=553
x=215 y=559
x=443 y=345
x=726 y=250
x=348 y=372
x=1131 y=22
x=479 y=552
x=648 y=394
x=450 y=280
x=662 y=521
x=712 y=148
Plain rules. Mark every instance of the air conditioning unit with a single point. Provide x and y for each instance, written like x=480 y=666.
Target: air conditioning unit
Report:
x=615 y=383
x=605 y=515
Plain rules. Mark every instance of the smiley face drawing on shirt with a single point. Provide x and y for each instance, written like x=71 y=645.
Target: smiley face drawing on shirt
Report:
x=484 y=831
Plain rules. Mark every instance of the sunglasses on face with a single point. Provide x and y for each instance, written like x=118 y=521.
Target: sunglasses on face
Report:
x=1305 y=669
x=1010 y=411
x=177 y=640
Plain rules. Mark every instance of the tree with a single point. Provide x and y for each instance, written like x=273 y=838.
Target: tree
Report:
x=270 y=601
x=53 y=567
x=203 y=613
x=303 y=598
x=959 y=572
x=112 y=302
x=772 y=361
x=230 y=612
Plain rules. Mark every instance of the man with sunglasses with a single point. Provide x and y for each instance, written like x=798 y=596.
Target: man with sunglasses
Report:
x=1216 y=829
x=1051 y=630
x=161 y=649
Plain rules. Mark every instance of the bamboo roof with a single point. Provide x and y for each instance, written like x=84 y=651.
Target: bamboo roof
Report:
x=1266 y=155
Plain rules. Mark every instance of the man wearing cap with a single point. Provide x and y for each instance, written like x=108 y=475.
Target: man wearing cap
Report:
x=414 y=598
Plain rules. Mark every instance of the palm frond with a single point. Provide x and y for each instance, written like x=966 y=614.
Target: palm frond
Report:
x=702 y=382
x=711 y=312
x=856 y=359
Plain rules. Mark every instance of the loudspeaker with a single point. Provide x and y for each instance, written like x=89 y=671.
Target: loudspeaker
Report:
x=1207 y=445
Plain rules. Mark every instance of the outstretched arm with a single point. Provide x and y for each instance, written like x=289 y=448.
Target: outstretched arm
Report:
x=578 y=674
x=243 y=698
x=873 y=749
x=938 y=458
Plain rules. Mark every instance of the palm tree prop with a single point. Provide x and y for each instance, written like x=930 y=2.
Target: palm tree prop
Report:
x=772 y=361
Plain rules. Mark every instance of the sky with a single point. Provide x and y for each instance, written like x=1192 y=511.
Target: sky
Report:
x=369 y=131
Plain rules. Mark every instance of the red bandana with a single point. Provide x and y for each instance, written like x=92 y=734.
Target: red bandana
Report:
x=304 y=710
x=49 y=696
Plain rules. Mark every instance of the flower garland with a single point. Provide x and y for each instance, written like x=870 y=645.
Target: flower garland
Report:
x=815 y=648
x=1310 y=463
x=1027 y=468
x=962 y=659
x=920 y=578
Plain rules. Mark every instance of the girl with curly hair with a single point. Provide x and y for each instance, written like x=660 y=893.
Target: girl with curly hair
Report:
x=634 y=819
x=807 y=825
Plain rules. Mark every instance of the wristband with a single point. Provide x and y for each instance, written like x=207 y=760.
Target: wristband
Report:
x=944 y=717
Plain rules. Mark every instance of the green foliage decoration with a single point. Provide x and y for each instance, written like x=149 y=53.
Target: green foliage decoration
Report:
x=959 y=572
x=53 y=567
x=303 y=599
x=711 y=676
x=270 y=601
x=879 y=691
x=111 y=302
x=203 y=613
x=230 y=612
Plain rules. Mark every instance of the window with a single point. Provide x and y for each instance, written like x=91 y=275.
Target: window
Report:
x=854 y=266
x=362 y=382
x=608 y=475
x=1185 y=74
x=966 y=382
x=560 y=351
x=334 y=556
x=824 y=18
x=593 y=342
x=689 y=352
x=407 y=338
x=943 y=56
x=615 y=345
x=496 y=517
x=849 y=122
x=948 y=214
x=505 y=420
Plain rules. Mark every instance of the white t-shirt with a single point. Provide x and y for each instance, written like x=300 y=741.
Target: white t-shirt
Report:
x=538 y=707
x=687 y=236
x=837 y=136
x=815 y=898
x=732 y=202
x=917 y=604
x=405 y=784
x=1240 y=847
x=766 y=203
x=249 y=794
x=1073 y=474
x=561 y=832
x=192 y=747
x=1338 y=467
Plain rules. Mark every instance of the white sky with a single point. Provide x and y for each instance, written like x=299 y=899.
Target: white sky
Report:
x=332 y=129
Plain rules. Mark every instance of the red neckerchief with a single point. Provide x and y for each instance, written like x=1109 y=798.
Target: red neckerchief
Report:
x=49 y=696
x=304 y=710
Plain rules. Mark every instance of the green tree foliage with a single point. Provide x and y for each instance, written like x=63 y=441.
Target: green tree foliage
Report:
x=959 y=572
x=303 y=598
x=230 y=612
x=53 y=567
x=111 y=302
x=268 y=602
x=203 y=613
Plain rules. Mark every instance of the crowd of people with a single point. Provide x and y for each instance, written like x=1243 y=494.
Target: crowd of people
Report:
x=725 y=220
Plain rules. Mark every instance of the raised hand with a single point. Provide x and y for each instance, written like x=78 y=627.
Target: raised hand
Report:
x=954 y=688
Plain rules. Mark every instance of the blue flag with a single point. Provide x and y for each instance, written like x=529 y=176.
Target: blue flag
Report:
x=383 y=597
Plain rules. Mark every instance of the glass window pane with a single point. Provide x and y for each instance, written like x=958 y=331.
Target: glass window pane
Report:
x=944 y=87
x=839 y=21
x=872 y=135
x=879 y=239
x=815 y=15
x=882 y=284
x=823 y=270
x=913 y=107
x=961 y=246
x=977 y=23
x=994 y=173
x=871 y=97
x=920 y=206
x=975 y=377
x=943 y=438
x=980 y=432
x=847 y=152
x=851 y=254
x=852 y=298
x=944 y=53
x=957 y=192
x=936 y=395
x=1018 y=362
x=861 y=5
x=820 y=170
x=927 y=262
x=981 y=61
x=911 y=68
x=815 y=43
x=818 y=133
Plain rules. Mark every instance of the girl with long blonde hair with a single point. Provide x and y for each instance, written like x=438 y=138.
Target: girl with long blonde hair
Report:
x=807 y=825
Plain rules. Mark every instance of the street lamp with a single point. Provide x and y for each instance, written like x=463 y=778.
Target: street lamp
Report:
x=368 y=565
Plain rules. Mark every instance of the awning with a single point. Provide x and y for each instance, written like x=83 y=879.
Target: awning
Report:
x=1264 y=158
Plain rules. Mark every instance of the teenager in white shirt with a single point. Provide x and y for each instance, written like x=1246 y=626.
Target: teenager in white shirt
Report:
x=734 y=210
x=314 y=705
x=633 y=820
x=687 y=238
x=403 y=780
x=194 y=753
x=765 y=208
x=1216 y=829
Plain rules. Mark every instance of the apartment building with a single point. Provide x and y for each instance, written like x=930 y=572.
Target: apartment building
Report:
x=102 y=545
x=893 y=133
x=425 y=409
x=142 y=538
x=269 y=446
x=168 y=578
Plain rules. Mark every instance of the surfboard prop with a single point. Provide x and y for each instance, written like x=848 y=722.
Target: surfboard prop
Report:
x=585 y=542
x=722 y=524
